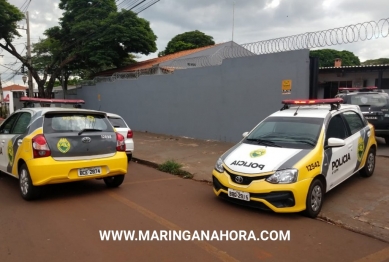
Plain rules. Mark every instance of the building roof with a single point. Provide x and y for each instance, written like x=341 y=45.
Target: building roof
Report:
x=14 y=88
x=153 y=62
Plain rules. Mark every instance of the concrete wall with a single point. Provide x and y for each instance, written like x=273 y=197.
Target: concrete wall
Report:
x=217 y=102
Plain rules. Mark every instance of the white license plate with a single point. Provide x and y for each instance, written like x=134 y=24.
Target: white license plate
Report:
x=89 y=171
x=238 y=194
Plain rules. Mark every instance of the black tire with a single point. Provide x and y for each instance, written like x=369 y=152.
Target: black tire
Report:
x=114 y=181
x=368 y=169
x=27 y=189
x=315 y=199
x=129 y=157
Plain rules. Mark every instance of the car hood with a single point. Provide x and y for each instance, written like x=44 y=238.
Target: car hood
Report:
x=254 y=159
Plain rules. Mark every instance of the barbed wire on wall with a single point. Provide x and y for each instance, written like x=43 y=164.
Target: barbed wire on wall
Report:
x=336 y=36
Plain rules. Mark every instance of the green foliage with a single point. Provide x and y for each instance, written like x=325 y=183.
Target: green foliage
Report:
x=9 y=16
x=172 y=167
x=379 y=61
x=327 y=57
x=186 y=41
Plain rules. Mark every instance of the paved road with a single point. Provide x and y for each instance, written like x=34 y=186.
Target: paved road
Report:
x=65 y=224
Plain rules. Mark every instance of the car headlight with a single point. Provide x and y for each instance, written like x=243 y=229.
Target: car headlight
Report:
x=219 y=165
x=286 y=176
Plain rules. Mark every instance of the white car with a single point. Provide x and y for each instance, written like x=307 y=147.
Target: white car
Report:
x=122 y=128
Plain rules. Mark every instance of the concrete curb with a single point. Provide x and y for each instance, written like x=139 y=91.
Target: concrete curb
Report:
x=350 y=228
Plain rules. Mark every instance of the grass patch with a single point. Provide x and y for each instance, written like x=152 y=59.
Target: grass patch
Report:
x=172 y=167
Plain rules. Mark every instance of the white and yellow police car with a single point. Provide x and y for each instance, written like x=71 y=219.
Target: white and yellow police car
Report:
x=294 y=156
x=50 y=145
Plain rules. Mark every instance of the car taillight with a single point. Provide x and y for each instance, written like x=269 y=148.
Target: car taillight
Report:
x=129 y=134
x=40 y=147
x=120 y=143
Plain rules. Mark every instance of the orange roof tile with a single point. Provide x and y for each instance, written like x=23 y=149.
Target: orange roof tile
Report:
x=154 y=61
x=14 y=88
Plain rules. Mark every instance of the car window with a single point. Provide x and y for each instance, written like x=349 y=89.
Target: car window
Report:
x=288 y=132
x=22 y=123
x=354 y=121
x=117 y=122
x=75 y=122
x=8 y=124
x=375 y=100
x=336 y=128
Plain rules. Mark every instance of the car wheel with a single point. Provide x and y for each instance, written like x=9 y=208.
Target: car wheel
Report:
x=369 y=167
x=129 y=157
x=114 y=181
x=315 y=198
x=27 y=189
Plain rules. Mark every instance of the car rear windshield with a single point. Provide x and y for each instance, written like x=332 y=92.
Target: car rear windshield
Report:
x=117 y=122
x=289 y=132
x=75 y=122
x=375 y=100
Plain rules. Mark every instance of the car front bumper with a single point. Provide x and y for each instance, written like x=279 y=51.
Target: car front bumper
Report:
x=50 y=171
x=281 y=198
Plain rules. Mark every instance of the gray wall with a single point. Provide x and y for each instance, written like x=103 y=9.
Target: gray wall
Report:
x=216 y=102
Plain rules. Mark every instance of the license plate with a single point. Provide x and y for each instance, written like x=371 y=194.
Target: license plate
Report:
x=89 y=171
x=370 y=117
x=238 y=194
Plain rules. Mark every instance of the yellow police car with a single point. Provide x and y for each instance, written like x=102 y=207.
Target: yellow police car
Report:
x=49 y=145
x=294 y=156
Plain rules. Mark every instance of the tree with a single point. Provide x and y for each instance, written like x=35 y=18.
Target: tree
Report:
x=186 y=41
x=327 y=57
x=379 y=61
x=91 y=34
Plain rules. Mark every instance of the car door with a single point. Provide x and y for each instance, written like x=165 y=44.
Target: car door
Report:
x=5 y=136
x=14 y=139
x=359 y=136
x=339 y=160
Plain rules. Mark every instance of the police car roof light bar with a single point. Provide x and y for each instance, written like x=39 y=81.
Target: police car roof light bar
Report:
x=347 y=89
x=334 y=102
x=51 y=100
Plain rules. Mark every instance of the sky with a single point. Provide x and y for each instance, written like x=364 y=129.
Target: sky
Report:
x=243 y=21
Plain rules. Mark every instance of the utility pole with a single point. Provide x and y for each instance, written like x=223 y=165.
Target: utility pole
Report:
x=30 y=87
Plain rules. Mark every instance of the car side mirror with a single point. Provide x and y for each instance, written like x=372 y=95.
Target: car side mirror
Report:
x=335 y=142
x=245 y=134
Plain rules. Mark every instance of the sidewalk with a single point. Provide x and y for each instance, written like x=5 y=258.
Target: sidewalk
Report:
x=359 y=204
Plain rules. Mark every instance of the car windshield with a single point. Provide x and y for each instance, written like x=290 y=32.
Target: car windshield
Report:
x=75 y=122
x=288 y=132
x=376 y=100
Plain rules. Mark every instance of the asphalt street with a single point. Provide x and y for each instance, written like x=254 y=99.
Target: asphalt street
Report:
x=64 y=225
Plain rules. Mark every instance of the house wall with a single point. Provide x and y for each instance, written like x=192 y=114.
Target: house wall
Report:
x=216 y=102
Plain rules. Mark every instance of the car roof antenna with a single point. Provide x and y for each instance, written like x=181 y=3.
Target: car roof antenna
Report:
x=295 y=113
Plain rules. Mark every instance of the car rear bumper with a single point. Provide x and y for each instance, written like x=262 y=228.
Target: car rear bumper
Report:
x=50 y=171
x=282 y=198
x=382 y=132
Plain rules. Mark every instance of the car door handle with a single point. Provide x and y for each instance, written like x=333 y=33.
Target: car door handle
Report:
x=19 y=142
x=2 y=141
x=350 y=147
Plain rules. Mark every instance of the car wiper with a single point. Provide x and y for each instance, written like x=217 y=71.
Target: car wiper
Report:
x=263 y=142
x=88 y=129
x=305 y=142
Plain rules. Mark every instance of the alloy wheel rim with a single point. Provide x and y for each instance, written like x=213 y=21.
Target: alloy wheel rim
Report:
x=370 y=162
x=316 y=198
x=23 y=182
